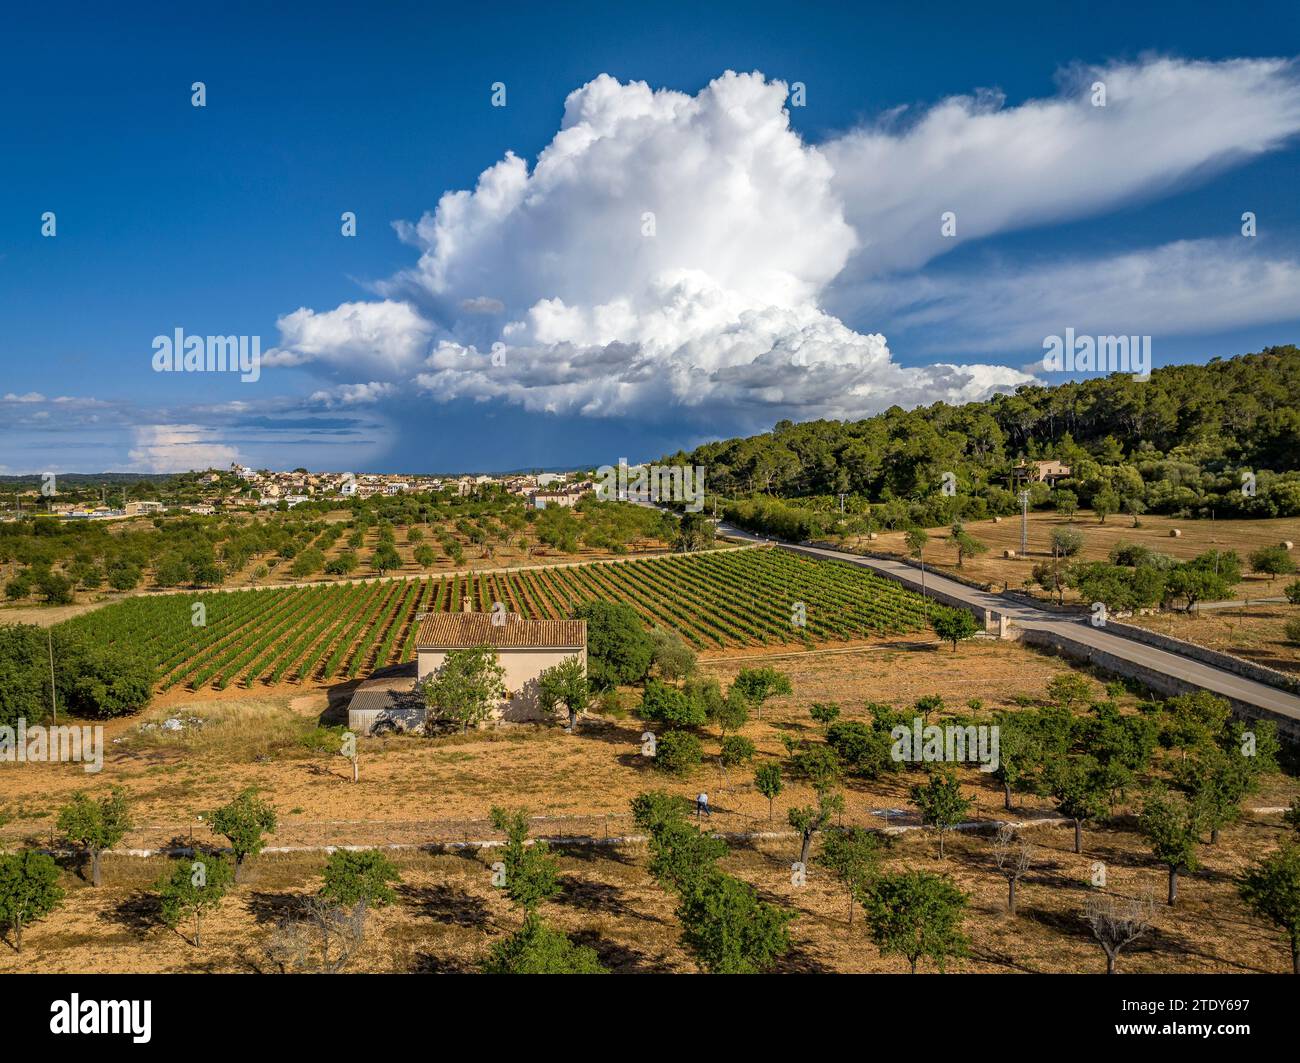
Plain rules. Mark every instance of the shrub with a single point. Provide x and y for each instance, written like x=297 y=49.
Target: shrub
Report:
x=736 y=749
x=670 y=705
x=678 y=752
x=1292 y=630
x=863 y=750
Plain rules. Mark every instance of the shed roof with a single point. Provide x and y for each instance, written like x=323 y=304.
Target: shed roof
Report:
x=459 y=631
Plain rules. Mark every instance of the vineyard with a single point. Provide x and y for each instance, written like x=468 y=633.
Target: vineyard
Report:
x=333 y=633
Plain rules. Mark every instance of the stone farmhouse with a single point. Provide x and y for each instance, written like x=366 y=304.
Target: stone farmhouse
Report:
x=525 y=649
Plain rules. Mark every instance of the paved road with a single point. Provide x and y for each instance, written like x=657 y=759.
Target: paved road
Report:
x=1078 y=629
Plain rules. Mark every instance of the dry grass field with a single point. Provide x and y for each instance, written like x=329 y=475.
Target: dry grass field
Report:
x=1198 y=536
x=1255 y=632
x=414 y=790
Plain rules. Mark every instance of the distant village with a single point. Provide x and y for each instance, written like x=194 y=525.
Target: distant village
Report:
x=244 y=488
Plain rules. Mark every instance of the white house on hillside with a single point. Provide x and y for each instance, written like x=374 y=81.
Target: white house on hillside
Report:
x=525 y=649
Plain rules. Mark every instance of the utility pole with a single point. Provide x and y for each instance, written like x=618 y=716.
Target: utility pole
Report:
x=1024 y=522
x=841 y=503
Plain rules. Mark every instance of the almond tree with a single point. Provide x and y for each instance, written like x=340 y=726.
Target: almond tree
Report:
x=243 y=823
x=916 y=914
x=852 y=855
x=466 y=688
x=95 y=825
x=767 y=781
x=1116 y=923
x=1172 y=828
x=29 y=890
x=1080 y=789
x=809 y=819
x=564 y=684
x=1013 y=856
x=1271 y=887
x=941 y=803
x=193 y=887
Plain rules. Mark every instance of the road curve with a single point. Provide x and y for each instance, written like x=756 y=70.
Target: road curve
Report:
x=1077 y=629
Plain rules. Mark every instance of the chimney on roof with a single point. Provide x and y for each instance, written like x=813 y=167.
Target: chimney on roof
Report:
x=467 y=604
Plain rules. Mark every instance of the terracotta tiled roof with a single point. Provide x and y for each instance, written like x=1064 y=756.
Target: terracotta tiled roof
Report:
x=464 y=630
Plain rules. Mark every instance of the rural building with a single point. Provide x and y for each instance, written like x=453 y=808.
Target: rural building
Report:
x=525 y=649
x=1044 y=471
x=137 y=509
x=545 y=499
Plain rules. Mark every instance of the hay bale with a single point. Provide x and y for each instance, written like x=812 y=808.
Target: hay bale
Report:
x=1008 y=553
x=1287 y=544
x=872 y=537
x=1175 y=533
x=997 y=520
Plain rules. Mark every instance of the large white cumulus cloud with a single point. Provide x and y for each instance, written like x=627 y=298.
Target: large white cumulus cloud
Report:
x=671 y=251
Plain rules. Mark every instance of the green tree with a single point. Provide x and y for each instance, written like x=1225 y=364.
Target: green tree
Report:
x=1104 y=503
x=671 y=705
x=695 y=532
x=95 y=825
x=732 y=712
x=465 y=688
x=824 y=712
x=760 y=684
x=852 y=856
x=1272 y=561
x=1020 y=755
x=1066 y=502
x=681 y=856
x=1271 y=889
x=1069 y=690
x=809 y=819
x=1079 y=787
x=244 y=822
x=23 y=680
x=564 y=684
x=916 y=915
x=619 y=650
x=531 y=872
x=29 y=890
x=966 y=545
x=768 y=782
x=1215 y=781
x=385 y=558
x=916 y=538
x=941 y=803
x=363 y=878
x=954 y=625
x=1066 y=542
x=192 y=888
x=538 y=949
x=736 y=749
x=1170 y=827
x=729 y=930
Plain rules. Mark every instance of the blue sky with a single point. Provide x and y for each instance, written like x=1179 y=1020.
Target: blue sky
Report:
x=795 y=266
